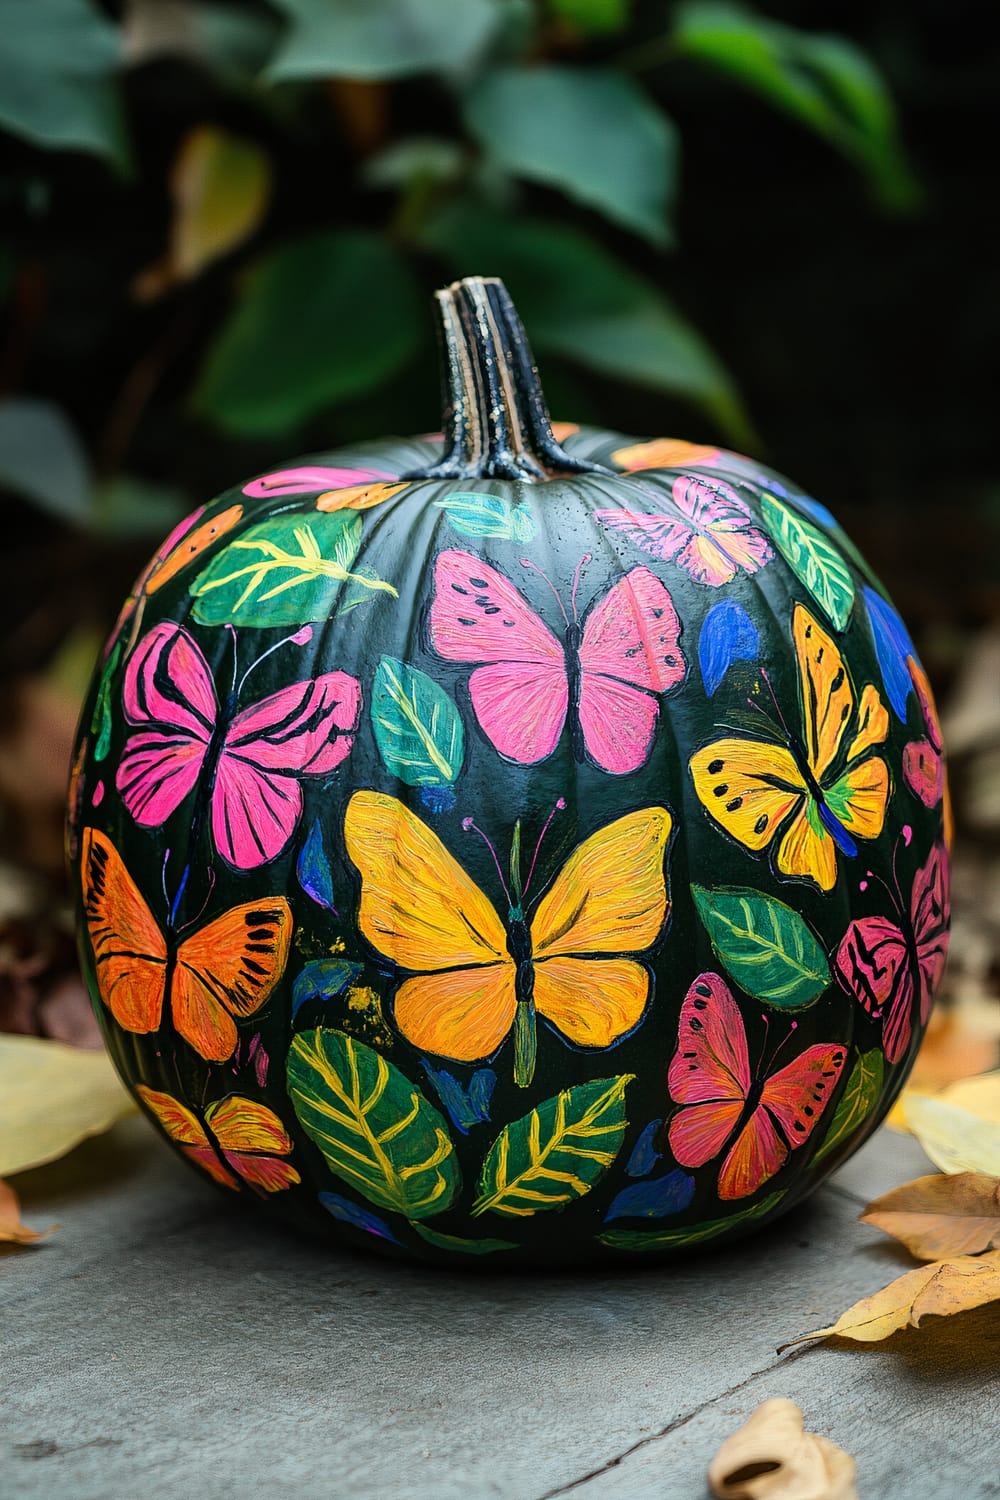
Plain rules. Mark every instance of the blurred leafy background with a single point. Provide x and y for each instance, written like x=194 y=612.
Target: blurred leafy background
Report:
x=221 y=220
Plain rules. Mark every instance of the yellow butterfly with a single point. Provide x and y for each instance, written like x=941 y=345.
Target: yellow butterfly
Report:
x=812 y=796
x=473 y=978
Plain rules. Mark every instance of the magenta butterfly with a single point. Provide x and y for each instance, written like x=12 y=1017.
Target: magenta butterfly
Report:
x=704 y=526
x=887 y=968
x=258 y=754
x=528 y=683
x=710 y=1077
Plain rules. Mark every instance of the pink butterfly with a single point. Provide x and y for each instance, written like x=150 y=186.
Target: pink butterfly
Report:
x=710 y=1076
x=886 y=968
x=303 y=730
x=603 y=678
x=704 y=526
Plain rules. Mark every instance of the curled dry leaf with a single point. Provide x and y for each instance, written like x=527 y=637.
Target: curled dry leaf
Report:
x=956 y=1139
x=51 y=1098
x=937 y=1290
x=936 y=1217
x=772 y=1458
x=12 y=1231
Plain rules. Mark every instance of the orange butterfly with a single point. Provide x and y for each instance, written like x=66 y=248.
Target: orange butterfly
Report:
x=226 y=969
x=474 y=978
x=237 y=1134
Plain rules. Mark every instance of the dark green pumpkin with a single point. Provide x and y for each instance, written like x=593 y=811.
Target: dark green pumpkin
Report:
x=511 y=846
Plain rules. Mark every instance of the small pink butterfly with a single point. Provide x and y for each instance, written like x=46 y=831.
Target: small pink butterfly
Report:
x=704 y=526
x=710 y=1076
x=923 y=760
x=885 y=968
x=603 y=676
x=303 y=730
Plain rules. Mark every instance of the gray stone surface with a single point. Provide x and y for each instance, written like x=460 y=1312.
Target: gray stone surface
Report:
x=164 y=1346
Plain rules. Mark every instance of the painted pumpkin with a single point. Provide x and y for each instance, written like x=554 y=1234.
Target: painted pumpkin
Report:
x=530 y=845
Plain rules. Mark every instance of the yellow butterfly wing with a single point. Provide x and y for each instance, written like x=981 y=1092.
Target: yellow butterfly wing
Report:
x=609 y=897
x=807 y=850
x=827 y=696
x=749 y=787
x=423 y=912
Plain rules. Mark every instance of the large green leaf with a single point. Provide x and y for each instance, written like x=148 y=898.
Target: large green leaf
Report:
x=381 y=38
x=285 y=571
x=769 y=949
x=375 y=1129
x=824 y=81
x=57 y=61
x=861 y=1094
x=814 y=560
x=694 y=1234
x=557 y=1152
x=325 y=318
x=577 y=300
x=593 y=134
x=417 y=727
x=456 y=1242
x=42 y=459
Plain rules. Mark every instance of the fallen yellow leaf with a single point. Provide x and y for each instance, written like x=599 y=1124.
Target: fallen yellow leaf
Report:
x=936 y=1217
x=959 y=1043
x=938 y=1290
x=12 y=1231
x=955 y=1139
x=51 y=1098
x=771 y=1458
x=981 y=1095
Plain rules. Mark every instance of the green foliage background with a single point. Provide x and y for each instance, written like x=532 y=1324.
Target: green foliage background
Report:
x=221 y=222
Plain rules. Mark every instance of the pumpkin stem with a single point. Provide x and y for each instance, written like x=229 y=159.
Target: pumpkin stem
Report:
x=495 y=420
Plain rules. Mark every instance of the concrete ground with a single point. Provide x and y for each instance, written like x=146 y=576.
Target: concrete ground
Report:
x=162 y=1346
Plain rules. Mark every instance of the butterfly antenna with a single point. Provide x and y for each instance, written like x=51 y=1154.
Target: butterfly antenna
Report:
x=774 y=1055
x=777 y=706
x=534 y=568
x=163 y=881
x=586 y=558
x=232 y=631
x=208 y=896
x=471 y=827
x=534 y=858
x=300 y=638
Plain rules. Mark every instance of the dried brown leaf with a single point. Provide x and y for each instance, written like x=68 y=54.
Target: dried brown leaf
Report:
x=939 y=1289
x=771 y=1458
x=12 y=1231
x=940 y=1216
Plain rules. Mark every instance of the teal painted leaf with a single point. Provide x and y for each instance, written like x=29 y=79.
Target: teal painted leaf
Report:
x=322 y=319
x=101 y=720
x=417 y=727
x=467 y=1247
x=694 y=1234
x=375 y=1129
x=768 y=948
x=593 y=134
x=382 y=38
x=557 y=1152
x=489 y=515
x=285 y=571
x=58 y=59
x=814 y=560
x=861 y=1094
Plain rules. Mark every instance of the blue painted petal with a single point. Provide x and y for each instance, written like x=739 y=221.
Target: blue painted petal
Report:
x=727 y=635
x=466 y=1106
x=837 y=831
x=655 y=1199
x=644 y=1153
x=892 y=646
x=323 y=980
x=437 y=799
x=353 y=1213
x=313 y=870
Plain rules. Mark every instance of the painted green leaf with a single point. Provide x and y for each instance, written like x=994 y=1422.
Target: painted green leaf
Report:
x=557 y=1152
x=101 y=720
x=466 y=1247
x=814 y=560
x=375 y=1129
x=285 y=571
x=694 y=1234
x=768 y=948
x=488 y=515
x=591 y=133
x=861 y=1093
x=417 y=727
